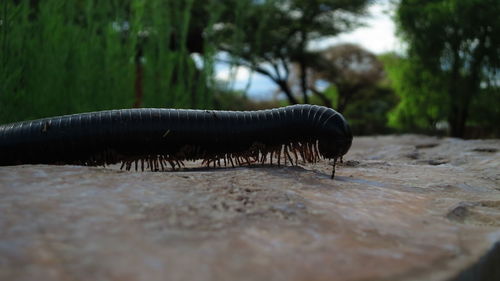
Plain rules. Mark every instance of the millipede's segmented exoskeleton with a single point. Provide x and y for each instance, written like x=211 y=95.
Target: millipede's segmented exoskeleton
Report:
x=153 y=138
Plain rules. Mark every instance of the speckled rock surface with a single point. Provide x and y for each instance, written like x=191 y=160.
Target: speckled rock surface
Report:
x=401 y=208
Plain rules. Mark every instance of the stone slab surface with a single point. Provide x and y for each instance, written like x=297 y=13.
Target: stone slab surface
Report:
x=401 y=208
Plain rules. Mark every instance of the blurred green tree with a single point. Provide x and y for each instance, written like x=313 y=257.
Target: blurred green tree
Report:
x=453 y=59
x=277 y=33
x=421 y=95
x=61 y=57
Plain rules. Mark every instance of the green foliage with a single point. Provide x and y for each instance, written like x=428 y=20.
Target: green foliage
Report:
x=53 y=61
x=453 y=59
x=60 y=57
x=421 y=95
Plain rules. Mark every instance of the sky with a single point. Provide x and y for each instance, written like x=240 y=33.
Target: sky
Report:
x=378 y=36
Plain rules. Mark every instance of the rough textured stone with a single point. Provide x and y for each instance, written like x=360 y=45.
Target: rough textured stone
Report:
x=400 y=208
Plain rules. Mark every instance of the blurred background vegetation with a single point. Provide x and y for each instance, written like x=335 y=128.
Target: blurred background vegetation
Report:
x=60 y=57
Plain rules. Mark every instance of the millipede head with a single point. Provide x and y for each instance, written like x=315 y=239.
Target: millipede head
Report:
x=336 y=137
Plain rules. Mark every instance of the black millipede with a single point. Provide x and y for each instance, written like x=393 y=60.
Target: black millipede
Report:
x=154 y=138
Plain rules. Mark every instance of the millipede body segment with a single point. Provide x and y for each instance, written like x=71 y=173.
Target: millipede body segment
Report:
x=155 y=139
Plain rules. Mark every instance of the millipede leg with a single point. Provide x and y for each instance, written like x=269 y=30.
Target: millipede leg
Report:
x=316 y=151
x=172 y=164
x=310 y=153
x=161 y=164
x=288 y=155
x=333 y=168
x=294 y=150
x=248 y=160
x=165 y=162
x=300 y=152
